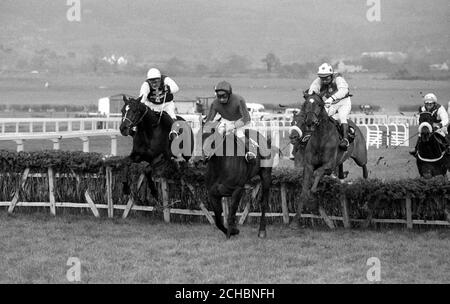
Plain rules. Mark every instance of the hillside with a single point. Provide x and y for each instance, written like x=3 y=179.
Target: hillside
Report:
x=202 y=31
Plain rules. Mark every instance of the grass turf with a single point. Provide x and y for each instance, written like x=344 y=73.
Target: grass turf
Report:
x=35 y=249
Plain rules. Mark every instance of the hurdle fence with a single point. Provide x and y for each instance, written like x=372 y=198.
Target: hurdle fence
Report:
x=167 y=209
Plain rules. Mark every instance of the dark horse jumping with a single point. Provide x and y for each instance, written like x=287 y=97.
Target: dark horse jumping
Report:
x=227 y=174
x=322 y=154
x=431 y=157
x=151 y=138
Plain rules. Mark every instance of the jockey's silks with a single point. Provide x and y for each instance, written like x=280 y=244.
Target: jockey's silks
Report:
x=233 y=110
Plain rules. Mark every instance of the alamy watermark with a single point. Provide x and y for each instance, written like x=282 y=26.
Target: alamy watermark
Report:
x=208 y=140
x=373 y=274
x=74 y=11
x=73 y=274
x=373 y=14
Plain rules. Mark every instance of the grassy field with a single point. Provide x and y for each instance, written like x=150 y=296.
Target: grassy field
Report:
x=77 y=89
x=35 y=249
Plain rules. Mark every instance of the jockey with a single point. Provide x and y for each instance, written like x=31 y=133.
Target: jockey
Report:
x=334 y=91
x=233 y=114
x=157 y=93
x=440 y=119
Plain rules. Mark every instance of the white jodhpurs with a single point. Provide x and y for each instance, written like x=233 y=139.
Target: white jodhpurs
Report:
x=168 y=107
x=340 y=110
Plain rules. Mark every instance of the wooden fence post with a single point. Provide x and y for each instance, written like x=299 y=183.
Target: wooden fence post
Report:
x=345 y=215
x=19 y=143
x=202 y=206
x=408 y=206
x=56 y=143
x=130 y=199
x=114 y=145
x=165 y=199
x=109 y=192
x=16 y=193
x=326 y=218
x=248 y=205
x=85 y=141
x=284 y=205
x=88 y=198
x=51 y=191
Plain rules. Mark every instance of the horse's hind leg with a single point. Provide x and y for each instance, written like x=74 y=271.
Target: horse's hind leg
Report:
x=216 y=202
x=235 y=199
x=317 y=176
x=125 y=173
x=266 y=181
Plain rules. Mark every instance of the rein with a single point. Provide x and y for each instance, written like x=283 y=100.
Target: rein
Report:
x=162 y=109
x=133 y=124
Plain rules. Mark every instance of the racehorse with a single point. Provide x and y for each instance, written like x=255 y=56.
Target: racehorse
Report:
x=431 y=157
x=151 y=138
x=322 y=154
x=227 y=174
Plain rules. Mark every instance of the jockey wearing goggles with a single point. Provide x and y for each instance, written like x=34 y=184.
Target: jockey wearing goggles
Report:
x=233 y=115
x=440 y=119
x=334 y=91
x=157 y=92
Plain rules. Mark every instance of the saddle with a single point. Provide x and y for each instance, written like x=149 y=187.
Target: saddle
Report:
x=351 y=130
x=249 y=145
x=305 y=138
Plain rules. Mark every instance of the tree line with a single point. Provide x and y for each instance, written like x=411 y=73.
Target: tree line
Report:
x=96 y=60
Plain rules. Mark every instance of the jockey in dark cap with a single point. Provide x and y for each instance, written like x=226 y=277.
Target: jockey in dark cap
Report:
x=233 y=114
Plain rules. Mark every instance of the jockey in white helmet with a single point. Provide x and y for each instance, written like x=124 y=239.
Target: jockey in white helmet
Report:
x=157 y=92
x=334 y=91
x=440 y=118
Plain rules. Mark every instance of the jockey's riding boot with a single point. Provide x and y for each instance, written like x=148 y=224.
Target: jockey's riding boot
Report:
x=344 y=142
x=252 y=150
x=294 y=149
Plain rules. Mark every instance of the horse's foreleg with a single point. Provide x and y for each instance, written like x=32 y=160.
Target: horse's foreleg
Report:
x=318 y=173
x=125 y=173
x=317 y=176
x=216 y=202
x=235 y=199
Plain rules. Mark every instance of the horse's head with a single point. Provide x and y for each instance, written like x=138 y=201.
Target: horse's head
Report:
x=425 y=126
x=313 y=108
x=133 y=112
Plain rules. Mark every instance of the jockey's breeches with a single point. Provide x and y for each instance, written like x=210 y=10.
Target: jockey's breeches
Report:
x=340 y=110
x=168 y=107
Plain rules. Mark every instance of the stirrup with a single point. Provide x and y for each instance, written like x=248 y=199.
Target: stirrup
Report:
x=346 y=144
x=173 y=132
x=249 y=156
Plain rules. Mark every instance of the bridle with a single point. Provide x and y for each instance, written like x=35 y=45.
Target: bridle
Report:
x=315 y=115
x=133 y=124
